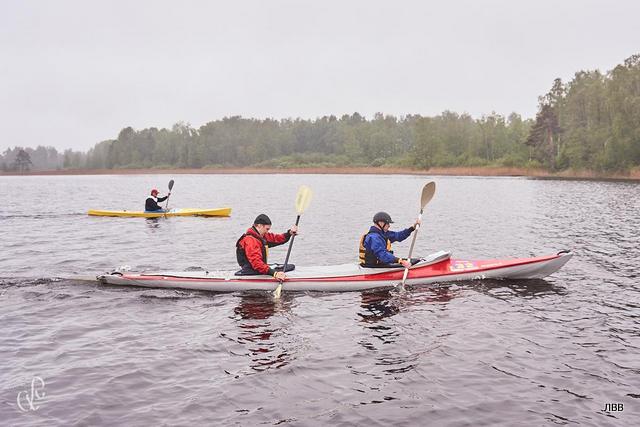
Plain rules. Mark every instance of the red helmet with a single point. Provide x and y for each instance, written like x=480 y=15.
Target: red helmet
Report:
x=154 y=192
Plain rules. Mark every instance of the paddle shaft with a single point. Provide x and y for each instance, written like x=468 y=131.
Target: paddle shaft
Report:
x=413 y=241
x=166 y=208
x=293 y=236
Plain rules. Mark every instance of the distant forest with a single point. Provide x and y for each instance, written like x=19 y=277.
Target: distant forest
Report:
x=589 y=123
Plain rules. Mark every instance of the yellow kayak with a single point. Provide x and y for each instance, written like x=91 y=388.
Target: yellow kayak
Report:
x=173 y=212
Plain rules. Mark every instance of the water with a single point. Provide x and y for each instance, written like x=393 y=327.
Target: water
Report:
x=542 y=352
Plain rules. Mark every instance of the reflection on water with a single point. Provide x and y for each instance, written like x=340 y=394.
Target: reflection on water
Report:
x=153 y=223
x=382 y=304
x=506 y=289
x=261 y=305
x=393 y=356
x=439 y=293
x=377 y=305
x=253 y=319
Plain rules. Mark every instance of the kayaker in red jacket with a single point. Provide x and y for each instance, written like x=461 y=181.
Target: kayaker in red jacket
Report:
x=253 y=246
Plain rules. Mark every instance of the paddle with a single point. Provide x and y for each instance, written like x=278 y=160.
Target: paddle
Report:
x=303 y=199
x=427 y=194
x=170 y=188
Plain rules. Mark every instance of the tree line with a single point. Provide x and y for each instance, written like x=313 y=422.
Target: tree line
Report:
x=449 y=139
x=20 y=159
x=591 y=122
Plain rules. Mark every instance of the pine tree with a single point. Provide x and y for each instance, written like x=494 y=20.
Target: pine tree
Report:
x=22 y=162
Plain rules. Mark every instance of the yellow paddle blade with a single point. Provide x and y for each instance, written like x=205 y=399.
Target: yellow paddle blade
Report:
x=276 y=293
x=303 y=199
x=427 y=194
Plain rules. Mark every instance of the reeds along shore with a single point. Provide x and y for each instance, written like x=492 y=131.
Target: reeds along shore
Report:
x=454 y=171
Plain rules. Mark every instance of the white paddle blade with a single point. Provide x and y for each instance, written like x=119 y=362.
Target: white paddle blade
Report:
x=427 y=194
x=303 y=199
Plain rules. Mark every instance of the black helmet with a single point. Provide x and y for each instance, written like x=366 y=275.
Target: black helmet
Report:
x=262 y=219
x=382 y=216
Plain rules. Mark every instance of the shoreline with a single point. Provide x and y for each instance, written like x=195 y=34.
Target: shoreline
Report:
x=634 y=175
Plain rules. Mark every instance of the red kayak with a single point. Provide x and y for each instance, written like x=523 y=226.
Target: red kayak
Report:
x=438 y=267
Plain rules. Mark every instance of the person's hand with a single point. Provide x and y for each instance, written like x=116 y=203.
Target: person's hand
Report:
x=405 y=263
x=417 y=223
x=293 y=230
x=280 y=275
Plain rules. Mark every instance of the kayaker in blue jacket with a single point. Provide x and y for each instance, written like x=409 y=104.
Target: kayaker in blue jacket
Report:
x=375 y=246
x=151 y=205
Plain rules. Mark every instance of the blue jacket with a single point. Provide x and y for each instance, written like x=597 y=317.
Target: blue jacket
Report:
x=377 y=243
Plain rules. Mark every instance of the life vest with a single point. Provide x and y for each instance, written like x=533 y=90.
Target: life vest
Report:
x=151 y=205
x=241 y=256
x=366 y=256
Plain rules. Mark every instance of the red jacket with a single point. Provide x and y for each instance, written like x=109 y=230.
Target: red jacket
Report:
x=251 y=249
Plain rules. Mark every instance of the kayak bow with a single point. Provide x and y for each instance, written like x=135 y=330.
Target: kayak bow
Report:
x=438 y=267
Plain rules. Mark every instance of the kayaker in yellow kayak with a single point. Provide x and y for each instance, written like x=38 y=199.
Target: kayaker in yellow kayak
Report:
x=151 y=205
x=375 y=245
x=253 y=246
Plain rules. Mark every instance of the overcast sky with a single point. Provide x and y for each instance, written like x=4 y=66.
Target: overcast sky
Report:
x=73 y=73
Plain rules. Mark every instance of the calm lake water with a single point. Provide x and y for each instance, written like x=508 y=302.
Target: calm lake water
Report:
x=541 y=352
